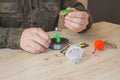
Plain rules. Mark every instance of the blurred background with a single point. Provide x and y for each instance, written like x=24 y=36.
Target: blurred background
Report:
x=103 y=10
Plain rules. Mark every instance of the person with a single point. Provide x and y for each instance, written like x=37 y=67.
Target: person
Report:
x=24 y=23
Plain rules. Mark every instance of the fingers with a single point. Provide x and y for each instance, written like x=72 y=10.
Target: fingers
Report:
x=72 y=9
x=77 y=21
x=42 y=40
x=79 y=14
x=34 y=40
x=75 y=27
x=33 y=47
x=44 y=35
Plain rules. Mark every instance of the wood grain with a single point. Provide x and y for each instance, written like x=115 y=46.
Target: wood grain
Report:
x=52 y=65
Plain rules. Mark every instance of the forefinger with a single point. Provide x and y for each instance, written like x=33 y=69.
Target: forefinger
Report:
x=44 y=35
x=78 y=14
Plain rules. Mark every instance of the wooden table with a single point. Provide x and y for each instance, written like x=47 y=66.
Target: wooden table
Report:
x=52 y=65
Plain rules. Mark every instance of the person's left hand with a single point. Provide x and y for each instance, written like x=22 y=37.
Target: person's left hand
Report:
x=76 y=20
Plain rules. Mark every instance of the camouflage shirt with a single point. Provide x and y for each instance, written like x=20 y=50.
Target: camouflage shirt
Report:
x=17 y=15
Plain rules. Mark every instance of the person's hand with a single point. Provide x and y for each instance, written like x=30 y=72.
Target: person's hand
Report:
x=34 y=40
x=76 y=21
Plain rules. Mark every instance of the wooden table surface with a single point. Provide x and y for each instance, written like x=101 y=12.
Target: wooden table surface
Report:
x=52 y=65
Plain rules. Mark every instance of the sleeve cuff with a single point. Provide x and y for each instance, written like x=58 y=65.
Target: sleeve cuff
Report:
x=14 y=36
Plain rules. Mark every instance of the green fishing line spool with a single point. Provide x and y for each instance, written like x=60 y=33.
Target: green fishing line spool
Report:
x=57 y=46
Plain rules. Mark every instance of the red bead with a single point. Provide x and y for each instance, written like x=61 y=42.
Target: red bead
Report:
x=99 y=44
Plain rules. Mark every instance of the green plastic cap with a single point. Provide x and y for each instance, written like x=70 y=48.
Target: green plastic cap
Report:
x=65 y=11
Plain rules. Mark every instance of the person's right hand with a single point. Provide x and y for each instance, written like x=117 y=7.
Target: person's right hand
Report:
x=34 y=40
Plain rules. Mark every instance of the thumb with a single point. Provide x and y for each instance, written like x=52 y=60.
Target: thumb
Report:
x=72 y=9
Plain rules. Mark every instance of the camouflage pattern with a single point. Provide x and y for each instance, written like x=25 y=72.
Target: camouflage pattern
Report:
x=16 y=15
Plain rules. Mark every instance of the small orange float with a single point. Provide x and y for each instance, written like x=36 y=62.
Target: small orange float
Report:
x=99 y=44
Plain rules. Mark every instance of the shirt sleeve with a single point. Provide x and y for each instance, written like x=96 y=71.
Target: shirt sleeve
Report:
x=73 y=3
x=10 y=37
